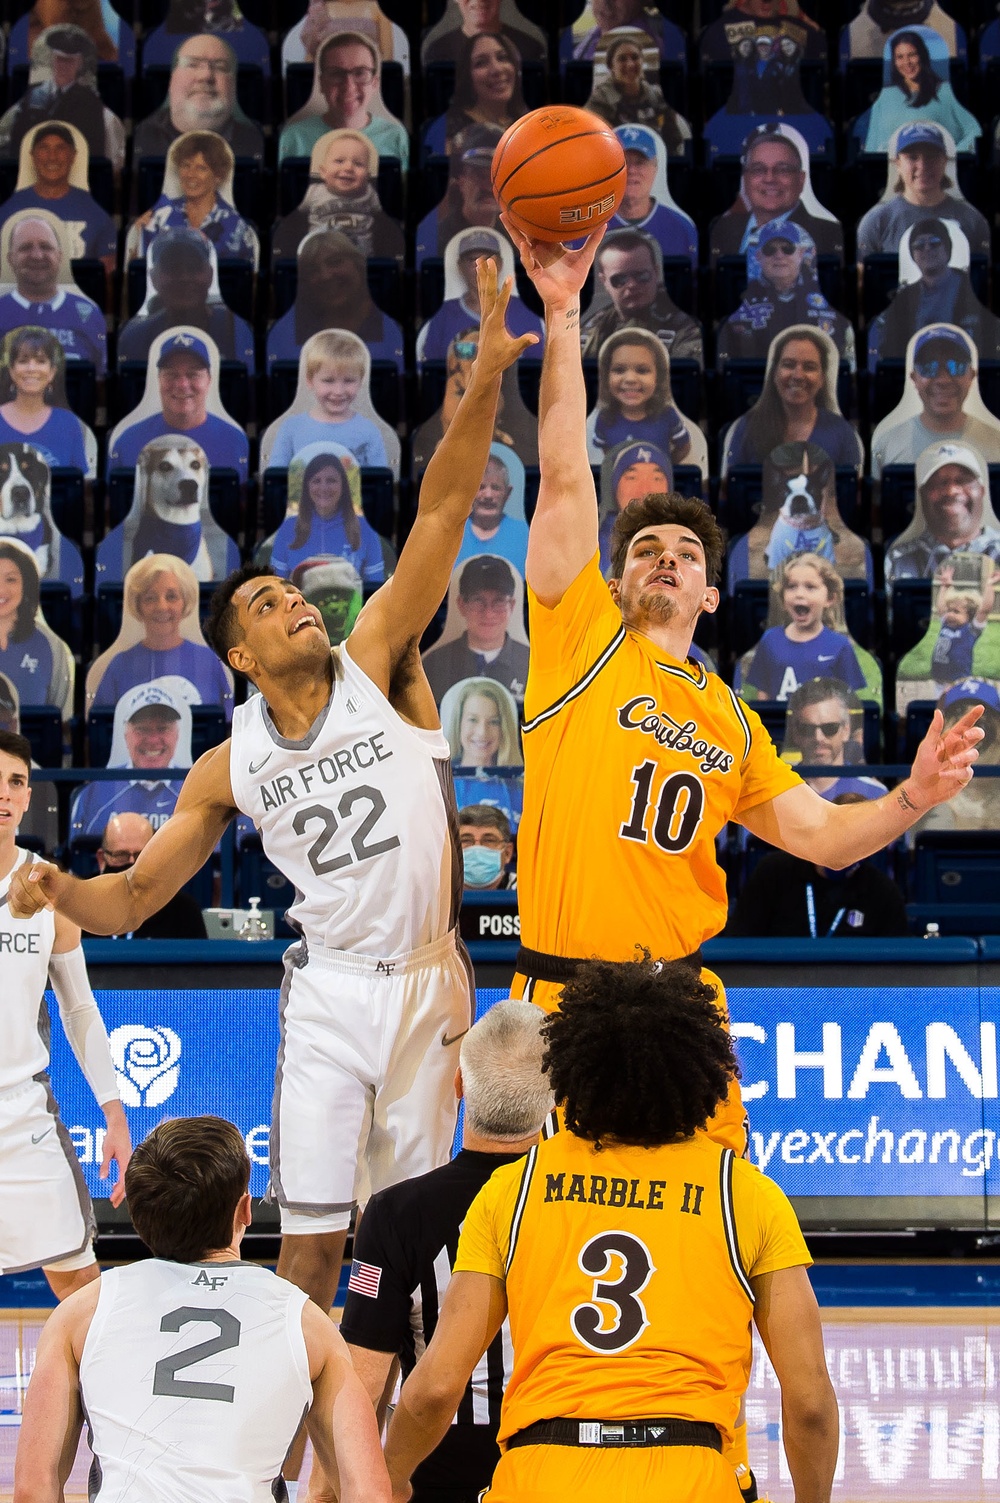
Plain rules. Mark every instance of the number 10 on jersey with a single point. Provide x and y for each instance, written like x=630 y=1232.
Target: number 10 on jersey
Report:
x=678 y=808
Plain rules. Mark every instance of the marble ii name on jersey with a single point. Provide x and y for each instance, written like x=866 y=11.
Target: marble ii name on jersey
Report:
x=340 y=764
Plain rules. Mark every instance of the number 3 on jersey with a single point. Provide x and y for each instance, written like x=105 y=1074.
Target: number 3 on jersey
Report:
x=628 y=1258
x=679 y=809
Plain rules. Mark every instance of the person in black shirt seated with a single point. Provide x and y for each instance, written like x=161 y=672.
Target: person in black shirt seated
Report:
x=408 y=1240
x=124 y=837
x=786 y=897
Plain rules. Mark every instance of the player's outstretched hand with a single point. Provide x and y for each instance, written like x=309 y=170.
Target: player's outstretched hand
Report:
x=497 y=348
x=32 y=888
x=944 y=760
x=117 y=1146
x=558 y=273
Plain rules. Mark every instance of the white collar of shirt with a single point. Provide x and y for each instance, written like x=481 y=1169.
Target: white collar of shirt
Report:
x=54 y=303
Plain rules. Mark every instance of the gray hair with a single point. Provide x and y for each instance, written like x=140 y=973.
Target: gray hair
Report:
x=507 y=1095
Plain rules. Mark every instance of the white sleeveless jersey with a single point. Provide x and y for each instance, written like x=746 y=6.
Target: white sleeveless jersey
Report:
x=194 y=1379
x=25 y=947
x=359 y=815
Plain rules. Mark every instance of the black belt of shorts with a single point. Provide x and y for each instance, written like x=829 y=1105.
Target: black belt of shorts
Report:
x=562 y=968
x=617 y=1433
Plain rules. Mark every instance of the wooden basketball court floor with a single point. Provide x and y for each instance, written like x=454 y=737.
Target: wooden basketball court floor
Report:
x=918 y=1386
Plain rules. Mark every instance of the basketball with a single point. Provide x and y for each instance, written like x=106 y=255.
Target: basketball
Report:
x=559 y=173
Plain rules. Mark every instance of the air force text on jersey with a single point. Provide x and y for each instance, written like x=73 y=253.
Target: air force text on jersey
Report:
x=344 y=763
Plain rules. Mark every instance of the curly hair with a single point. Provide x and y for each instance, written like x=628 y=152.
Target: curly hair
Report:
x=29 y=340
x=833 y=611
x=205 y=143
x=663 y=510
x=639 y=1052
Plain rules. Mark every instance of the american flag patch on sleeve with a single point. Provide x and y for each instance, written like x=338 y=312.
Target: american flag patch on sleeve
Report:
x=365 y=1278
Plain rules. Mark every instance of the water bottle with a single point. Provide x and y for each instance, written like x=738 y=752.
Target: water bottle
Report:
x=254 y=926
x=932 y=931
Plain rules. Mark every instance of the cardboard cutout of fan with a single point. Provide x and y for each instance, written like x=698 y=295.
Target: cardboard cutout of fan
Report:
x=559 y=173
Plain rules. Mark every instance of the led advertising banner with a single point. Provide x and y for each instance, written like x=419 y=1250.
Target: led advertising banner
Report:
x=852 y=1092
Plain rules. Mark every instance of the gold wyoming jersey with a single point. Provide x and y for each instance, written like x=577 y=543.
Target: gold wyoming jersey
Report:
x=634 y=762
x=628 y=1277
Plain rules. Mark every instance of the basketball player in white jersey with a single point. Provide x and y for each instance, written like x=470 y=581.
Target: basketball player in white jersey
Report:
x=193 y=1369
x=46 y=1218
x=342 y=765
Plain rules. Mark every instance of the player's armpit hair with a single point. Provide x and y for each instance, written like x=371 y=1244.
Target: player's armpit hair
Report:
x=639 y=1052
x=507 y=1095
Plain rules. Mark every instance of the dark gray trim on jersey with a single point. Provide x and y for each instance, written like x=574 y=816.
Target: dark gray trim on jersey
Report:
x=82 y=1193
x=522 y=1199
x=95 y=1477
x=744 y=722
x=310 y=735
x=729 y=1221
x=296 y=958
x=581 y=684
x=279 y=1491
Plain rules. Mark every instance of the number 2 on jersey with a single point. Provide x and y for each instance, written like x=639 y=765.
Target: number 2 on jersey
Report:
x=322 y=864
x=599 y=1258
x=679 y=809
x=165 y=1379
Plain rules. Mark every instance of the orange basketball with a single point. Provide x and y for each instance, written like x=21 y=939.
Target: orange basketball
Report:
x=559 y=173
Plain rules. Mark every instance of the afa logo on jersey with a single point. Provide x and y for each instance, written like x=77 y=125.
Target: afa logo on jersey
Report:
x=147 y=1063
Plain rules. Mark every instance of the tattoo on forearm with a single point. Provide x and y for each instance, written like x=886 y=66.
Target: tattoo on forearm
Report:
x=904 y=800
x=572 y=316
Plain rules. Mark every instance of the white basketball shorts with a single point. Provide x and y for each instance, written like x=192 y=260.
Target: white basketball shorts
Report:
x=364 y=1089
x=46 y=1214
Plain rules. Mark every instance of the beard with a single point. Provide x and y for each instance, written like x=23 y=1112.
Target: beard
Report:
x=653 y=605
x=201 y=113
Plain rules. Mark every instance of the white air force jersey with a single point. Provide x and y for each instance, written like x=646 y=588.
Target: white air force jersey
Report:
x=25 y=948
x=194 y=1379
x=359 y=816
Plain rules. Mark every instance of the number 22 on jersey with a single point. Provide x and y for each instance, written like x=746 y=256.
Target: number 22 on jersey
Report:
x=678 y=805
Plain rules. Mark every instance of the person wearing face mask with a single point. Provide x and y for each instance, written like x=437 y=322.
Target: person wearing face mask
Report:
x=122 y=843
x=785 y=897
x=487 y=848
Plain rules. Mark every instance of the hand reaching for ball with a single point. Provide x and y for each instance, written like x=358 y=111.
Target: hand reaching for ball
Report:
x=557 y=272
x=497 y=347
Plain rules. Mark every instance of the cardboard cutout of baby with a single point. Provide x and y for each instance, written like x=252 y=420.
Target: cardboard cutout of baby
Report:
x=332 y=405
x=37 y=662
x=37 y=287
x=62 y=85
x=806 y=636
x=635 y=403
x=325 y=17
x=34 y=408
x=53 y=175
x=324 y=518
x=767 y=57
x=916 y=72
x=160 y=639
x=342 y=195
x=198 y=194
x=480 y=720
x=962 y=639
x=169 y=514
x=181 y=397
x=460 y=309
x=921 y=180
x=443 y=42
x=151 y=733
x=515 y=427
x=484 y=633
x=182 y=287
x=952 y=513
x=346 y=94
x=626 y=89
x=775 y=184
x=941 y=402
x=26 y=514
x=798 y=514
x=934 y=287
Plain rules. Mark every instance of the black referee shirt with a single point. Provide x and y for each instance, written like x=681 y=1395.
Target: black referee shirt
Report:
x=405 y=1249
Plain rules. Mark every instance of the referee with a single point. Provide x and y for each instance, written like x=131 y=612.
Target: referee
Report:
x=408 y=1240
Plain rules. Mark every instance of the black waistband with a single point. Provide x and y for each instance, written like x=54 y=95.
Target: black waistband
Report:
x=562 y=968
x=616 y=1433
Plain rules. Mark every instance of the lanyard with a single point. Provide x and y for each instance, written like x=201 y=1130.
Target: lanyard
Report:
x=811 y=906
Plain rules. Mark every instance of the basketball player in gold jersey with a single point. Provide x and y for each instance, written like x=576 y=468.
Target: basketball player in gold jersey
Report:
x=631 y=1252
x=635 y=758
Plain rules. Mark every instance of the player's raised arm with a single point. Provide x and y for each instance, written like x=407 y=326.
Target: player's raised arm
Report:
x=836 y=835
x=118 y=902
x=563 y=536
x=399 y=613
